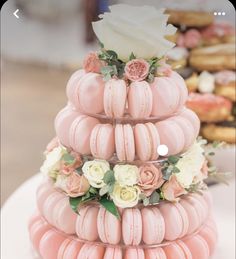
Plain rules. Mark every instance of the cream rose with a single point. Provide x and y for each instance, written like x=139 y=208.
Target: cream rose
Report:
x=94 y=171
x=125 y=196
x=52 y=161
x=126 y=174
x=190 y=165
x=137 y=29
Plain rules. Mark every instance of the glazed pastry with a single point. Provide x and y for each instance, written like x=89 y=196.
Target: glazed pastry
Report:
x=225 y=84
x=177 y=57
x=209 y=107
x=192 y=82
x=214 y=58
x=190 y=18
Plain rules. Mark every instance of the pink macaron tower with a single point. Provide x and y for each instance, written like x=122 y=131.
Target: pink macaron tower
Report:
x=108 y=191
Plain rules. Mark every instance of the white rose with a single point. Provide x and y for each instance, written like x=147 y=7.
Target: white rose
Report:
x=126 y=174
x=125 y=196
x=190 y=165
x=137 y=29
x=61 y=182
x=52 y=161
x=94 y=171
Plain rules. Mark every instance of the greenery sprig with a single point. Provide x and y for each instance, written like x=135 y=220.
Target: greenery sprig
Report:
x=169 y=167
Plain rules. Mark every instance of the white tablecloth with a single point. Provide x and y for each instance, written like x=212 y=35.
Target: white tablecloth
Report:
x=17 y=210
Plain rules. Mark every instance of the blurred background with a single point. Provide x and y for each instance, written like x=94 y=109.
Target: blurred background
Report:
x=40 y=50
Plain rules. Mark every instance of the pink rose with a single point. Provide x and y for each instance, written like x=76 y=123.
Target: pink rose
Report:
x=78 y=160
x=66 y=169
x=52 y=144
x=150 y=178
x=172 y=189
x=136 y=69
x=76 y=185
x=192 y=38
x=164 y=69
x=92 y=63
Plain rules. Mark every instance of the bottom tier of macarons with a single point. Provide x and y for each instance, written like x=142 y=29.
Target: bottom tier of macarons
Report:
x=51 y=243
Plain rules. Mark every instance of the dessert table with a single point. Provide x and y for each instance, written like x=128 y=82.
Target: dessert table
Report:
x=21 y=204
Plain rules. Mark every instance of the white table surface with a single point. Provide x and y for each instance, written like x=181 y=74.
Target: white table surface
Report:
x=18 y=208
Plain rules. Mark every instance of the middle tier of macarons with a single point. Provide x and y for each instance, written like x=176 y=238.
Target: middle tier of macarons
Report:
x=88 y=135
x=140 y=225
x=116 y=98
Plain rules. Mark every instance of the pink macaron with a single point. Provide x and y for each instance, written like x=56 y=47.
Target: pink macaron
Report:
x=193 y=118
x=209 y=236
x=69 y=249
x=183 y=90
x=124 y=142
x=43 y=191
x=140 y=99
x=171 y=135
x=153 y=226
x=109 y=227
x=146 y=141
x=36 y=232
x=166 y=97
x=188 y=130
x=79 y=133
x=34 y=218
x=197 y=246
x=155 y=253
x=64 y=218
x=102 y=141
x=134 y=253
x=173 y=220
x=115 y=95
x=132 y=226
x=91 y=252
x=86 y=93
x=86 y=224
x=62 y=123
x=113 y=253
x=50 y=244
x=185 y=249
x=174 y=251
x=185 y=219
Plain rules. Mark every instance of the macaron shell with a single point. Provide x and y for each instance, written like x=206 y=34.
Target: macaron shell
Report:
x=102 y=141
x=72 y=250
x=86 y=224
x=80 y=132
x=34 y=218
x=171 y=135
x=198 y=247
x=50 y=244
x=185 y=249
x=180 y=83
x=129 y=143
x=90 y=93
x=173 y=221
x=60 y=254
x=155 y=253
x=91 y=252
x=188 y=130
x=173 y=251
x=140 y=99
x=37 y=231
x=193 y=118
x=132 y=226
x=113 y=253
x=115 y=94
x=134 y=253
x=63 y=122
x=165 y=97
x=209 y=236
x=184 y=217
x=153 y=226
x=155 y=139
x=143 y=142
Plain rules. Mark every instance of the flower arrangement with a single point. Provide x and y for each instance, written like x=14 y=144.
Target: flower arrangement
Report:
x=124 y=185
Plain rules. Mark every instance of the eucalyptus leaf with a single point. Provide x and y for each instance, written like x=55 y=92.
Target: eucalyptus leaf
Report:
x=110 y=206
x=68 y=158
x=112 y=54
x=154 y=198
x=173 y=159
x=109 y=177
x=132 y=56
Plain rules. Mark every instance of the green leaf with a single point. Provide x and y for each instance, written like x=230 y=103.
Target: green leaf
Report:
x=93 y=190
x=154 y=198
x=68 y=158
x=112 y=54
x=175 y=170
x=74 y=203
x=146 y=201
x=110 y=206
x=173 y=159
x=109 y=177
x=101 y=45
x=132 y=56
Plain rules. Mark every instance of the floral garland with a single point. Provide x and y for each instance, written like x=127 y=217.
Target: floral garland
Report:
x=109 y=65
x=125 y=185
